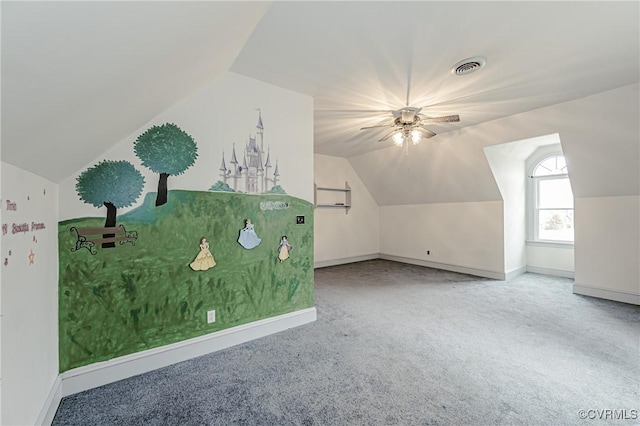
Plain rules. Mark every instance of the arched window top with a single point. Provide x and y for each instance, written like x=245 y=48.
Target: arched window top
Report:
x=554 y=165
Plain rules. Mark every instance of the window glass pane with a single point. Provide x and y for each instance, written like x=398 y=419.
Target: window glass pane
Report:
x=555 y=165
x=555 y=225
x=554 y=193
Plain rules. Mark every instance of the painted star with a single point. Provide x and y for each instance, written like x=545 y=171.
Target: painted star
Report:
x=31 y=256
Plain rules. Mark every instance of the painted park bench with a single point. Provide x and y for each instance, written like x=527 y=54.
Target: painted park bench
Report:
x=89 y=237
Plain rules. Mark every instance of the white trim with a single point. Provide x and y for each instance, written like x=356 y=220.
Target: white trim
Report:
x=101 y=373
x=496 y=275
x=50 y=406
x=549 y=271
x=515 y=272
x=605 y=293
x=344 y=260
x=551 y=244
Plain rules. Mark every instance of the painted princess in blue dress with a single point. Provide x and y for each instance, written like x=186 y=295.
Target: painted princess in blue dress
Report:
x=248 y=237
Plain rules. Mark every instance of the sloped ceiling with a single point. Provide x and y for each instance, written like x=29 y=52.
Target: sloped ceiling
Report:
x=78 y=77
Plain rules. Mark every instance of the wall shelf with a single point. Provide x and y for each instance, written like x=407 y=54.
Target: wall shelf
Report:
x=328 y=197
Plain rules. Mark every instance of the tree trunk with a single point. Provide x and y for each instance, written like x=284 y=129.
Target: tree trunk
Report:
x=161 y=198
x=109 y=223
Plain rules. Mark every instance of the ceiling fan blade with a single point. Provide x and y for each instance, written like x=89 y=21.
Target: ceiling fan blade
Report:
x=445 y=119
x=427 y=133
x=373 y=127
x=388 y=135
x=352 y=111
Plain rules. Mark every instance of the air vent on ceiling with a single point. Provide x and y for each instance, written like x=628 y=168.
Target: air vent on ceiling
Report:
x=467 y=66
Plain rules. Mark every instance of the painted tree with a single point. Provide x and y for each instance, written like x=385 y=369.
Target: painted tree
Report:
x=167 y=150
x=113 y=184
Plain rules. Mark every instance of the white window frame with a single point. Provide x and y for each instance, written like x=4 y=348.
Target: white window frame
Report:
x=533 y=161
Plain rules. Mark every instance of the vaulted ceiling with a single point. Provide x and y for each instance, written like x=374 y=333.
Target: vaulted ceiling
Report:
x=78 y=77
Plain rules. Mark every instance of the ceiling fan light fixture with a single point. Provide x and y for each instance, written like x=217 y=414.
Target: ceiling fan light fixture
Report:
x=398 y=139
x=416 y=137
x=407 y=116
x=468 y=66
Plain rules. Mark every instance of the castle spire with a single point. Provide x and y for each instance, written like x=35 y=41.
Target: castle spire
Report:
x=233 y=156
x=267 y=164
x=259 y=125
x=223 y=166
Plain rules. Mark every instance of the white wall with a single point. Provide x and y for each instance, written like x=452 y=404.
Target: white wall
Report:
x=29 y=305
x=544 y=259
x=608 y=252
x=467 y=237
x=509 y=173
x=222 y=114
x=344 y=237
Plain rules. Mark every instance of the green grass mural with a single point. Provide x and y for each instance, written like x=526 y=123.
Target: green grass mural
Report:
x=130 y=298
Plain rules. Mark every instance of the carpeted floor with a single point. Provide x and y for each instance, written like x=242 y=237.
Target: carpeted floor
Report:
x=398 y=344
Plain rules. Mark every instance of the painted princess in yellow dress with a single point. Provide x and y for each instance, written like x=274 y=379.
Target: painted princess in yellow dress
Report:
x=204 y=260
x=284 y=249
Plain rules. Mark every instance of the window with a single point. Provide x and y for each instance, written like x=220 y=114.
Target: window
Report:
x=551 y=201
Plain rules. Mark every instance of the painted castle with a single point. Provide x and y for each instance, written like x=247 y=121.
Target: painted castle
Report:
x=253 y=176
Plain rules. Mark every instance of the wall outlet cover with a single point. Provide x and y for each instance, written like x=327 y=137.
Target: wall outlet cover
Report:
x=211 y=316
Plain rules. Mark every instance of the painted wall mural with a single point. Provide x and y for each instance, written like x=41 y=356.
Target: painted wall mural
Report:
x=112 y=184
x=253 y=175
x=184 y=258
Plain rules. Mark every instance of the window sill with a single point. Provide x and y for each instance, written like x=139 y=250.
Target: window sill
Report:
x=550 y=244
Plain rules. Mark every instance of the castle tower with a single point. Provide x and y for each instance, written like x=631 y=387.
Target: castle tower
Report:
x=260 y=131
x=236 y=171
x=252 y=155
x=224 y=172
x=276 y=174
x=267 y=166
x=260 y=135
x=244 y=172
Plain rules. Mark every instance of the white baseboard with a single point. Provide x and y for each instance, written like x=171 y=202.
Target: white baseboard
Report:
x=549 y=271
x=496 y=275
x=515 y=272
x=345 y=260
x=604 y=293
x=101 y=373
x=51 y=404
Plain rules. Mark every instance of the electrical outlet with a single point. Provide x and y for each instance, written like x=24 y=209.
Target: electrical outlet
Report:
x=211 y=316
x=428 y=252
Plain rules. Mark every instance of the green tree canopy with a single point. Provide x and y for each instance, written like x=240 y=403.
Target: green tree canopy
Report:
x=115 y=182
x=166 y=149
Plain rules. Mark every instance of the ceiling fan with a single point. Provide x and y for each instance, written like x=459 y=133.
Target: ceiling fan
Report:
x=409 y=124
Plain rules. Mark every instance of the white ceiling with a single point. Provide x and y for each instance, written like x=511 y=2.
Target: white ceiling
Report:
x=84 y=75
